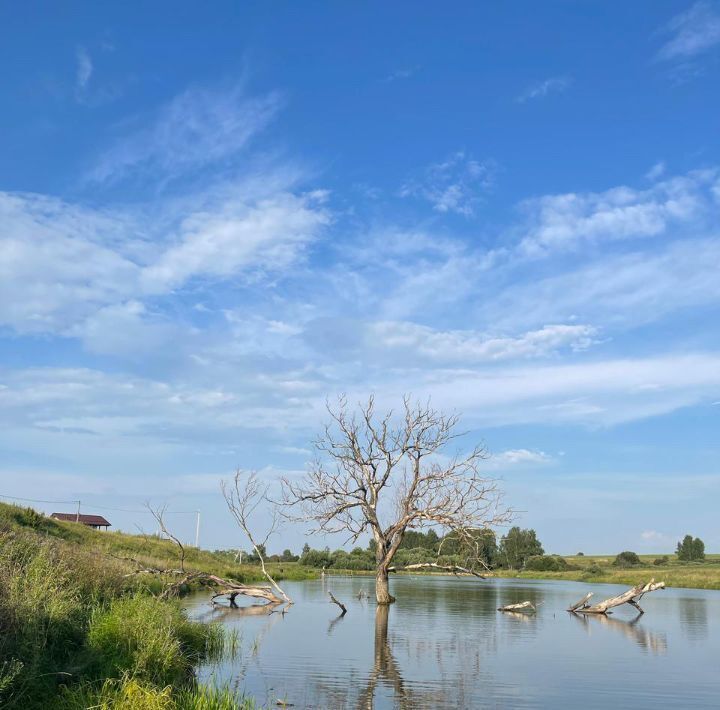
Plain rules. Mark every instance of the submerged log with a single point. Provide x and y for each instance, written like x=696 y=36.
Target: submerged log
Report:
x=525 y=607
x=631 y=596
x=340 y=604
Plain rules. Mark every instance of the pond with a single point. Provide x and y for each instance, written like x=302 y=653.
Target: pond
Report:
x=443 y=644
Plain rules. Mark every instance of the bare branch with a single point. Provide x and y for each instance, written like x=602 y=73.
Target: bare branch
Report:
x=243 y=495
x=159 y=515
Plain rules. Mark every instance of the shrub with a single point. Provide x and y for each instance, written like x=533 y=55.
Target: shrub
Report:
x=661 y=560
x=594 y=568
x=546 y=563
x=626 y=559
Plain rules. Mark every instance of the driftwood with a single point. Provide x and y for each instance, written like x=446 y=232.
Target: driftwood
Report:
x=583 y=602
x=524 y=607
x=631 y=596
x=455 y=569
x=340 y=604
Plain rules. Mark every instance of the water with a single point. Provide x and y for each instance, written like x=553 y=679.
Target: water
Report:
x=443 y=644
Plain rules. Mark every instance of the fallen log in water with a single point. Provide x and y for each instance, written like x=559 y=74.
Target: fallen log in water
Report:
x=631 y=596
x=524 y=607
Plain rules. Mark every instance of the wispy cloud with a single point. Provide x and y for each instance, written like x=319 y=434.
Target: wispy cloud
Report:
x=454 y=185
x=472 y=347
x=656 y=171
x=84 y=70
x=403 y=73
x=553 y=85
x=692 y=32
x=513 y=458
x=199 y=127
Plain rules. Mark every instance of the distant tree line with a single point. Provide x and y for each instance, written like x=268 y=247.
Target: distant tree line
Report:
x=519 y=549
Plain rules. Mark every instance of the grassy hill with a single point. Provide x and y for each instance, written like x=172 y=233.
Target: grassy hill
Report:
x=79 y=629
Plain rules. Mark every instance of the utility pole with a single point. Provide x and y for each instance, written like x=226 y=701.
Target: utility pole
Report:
x=197 y=529
x=77 y=515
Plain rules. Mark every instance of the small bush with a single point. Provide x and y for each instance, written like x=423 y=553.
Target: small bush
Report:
x=546 y=563
x=626 y=559
x=594 y=569
x=661 y=560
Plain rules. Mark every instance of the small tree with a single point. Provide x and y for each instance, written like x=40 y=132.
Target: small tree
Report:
x=517 y=546
x=698 y=549
x=386 y=478
x=690 y=549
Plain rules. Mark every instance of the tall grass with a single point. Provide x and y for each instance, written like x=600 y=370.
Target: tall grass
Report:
x=78 y=629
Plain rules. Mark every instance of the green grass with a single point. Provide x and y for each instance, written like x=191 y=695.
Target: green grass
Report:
x=76 y=623
x=599 y=568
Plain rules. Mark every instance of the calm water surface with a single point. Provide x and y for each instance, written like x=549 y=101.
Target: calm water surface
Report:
x=443 y=644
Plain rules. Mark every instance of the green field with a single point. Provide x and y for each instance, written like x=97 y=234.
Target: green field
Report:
x=599 y=568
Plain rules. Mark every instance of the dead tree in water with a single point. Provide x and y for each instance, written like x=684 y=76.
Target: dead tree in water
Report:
x=386 y=467
x=631 y=596
x=243 y=496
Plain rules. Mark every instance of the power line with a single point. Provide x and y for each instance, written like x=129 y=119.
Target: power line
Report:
x=35 y=500
x=99 y=507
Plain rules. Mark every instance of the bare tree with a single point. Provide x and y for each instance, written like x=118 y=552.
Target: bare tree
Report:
x=243 y=495
x=386 y=475
x=159 y=515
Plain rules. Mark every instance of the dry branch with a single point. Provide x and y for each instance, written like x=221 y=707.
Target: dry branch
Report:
x=522 y=606
x=340 y=604
x=631 y=596
x=582 y=603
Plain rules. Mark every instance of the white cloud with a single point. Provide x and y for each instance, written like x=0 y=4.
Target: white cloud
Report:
x=469 y=346
x=60 y=262
x=197 y=128
x=566 y=222
x=232 y=236
x=518 y=458
x=553 y=85
x=454 y=185
x=692 y=32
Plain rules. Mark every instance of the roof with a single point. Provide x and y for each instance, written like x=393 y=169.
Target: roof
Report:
x=85 y=519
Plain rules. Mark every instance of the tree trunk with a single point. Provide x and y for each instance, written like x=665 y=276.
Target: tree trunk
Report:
x=382 y=587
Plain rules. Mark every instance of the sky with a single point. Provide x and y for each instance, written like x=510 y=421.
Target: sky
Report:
x=215 y=219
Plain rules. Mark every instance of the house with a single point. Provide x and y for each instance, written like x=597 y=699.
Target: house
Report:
x=92 y=521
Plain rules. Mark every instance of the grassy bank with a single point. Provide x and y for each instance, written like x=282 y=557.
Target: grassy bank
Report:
x=599 y=568
x=77 y=630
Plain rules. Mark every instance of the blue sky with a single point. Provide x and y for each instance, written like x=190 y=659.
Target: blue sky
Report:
x=213 y=220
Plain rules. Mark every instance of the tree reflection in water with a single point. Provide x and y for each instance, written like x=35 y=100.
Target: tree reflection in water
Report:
x=648 y=640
